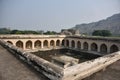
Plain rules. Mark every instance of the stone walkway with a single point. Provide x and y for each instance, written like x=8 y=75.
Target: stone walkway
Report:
x=13 y=69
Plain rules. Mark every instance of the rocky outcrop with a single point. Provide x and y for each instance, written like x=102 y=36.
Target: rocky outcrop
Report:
x=111 y=23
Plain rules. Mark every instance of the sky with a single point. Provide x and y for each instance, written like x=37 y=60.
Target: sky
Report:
x=54 y=15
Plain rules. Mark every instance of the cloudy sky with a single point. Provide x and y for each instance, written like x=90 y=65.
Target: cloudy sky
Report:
x=54 y=14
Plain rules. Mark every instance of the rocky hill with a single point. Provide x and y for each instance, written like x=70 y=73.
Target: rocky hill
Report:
x=111 y=23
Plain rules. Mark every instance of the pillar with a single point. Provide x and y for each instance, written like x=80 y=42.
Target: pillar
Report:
x=75 y=44
x=41 y=44
x=33 y=45
x=24 y=45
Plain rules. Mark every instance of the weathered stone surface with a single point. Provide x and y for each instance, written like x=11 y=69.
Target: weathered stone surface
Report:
x=87 y=68
x=54 y=72
x=13 y=69
x=48 y=69
x=65 y=61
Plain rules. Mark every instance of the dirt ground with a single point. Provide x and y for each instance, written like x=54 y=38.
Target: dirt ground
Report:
x=13 y=69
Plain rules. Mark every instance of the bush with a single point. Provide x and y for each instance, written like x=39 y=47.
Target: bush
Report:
x=101 y=33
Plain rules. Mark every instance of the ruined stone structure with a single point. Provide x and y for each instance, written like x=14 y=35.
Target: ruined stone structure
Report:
x=76 y=72
x=36 y=42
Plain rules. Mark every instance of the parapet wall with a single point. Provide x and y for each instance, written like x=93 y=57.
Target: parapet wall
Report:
x=87 y=68
x=29 y=36
x=50 y=70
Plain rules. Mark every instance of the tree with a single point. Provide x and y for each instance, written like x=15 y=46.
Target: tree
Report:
x=5 y=31
x=101 y=33
x=50 y=33
x=14 y=31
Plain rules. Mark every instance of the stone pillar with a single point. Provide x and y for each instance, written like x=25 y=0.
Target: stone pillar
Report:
x=54 y=44
x=70 y=45
x=108 y=49
x=41 y=44
x=14 y=43
x=89 y=47
x=24 y=45
x=33 y=45
x=81 y=45
x=98 y=50
x=60 y=44
x=48 y=44
x=75 y=44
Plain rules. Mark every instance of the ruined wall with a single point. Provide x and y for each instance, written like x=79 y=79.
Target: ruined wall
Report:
x=50 y=70
x=85 y=69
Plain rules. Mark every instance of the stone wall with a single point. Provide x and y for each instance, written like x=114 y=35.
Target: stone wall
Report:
x=50 y=70
x=100 y=45
x=85 y=69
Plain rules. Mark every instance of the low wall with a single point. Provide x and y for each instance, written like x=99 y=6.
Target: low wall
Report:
x=50 y=70
x=30 y=36
x=87 y=68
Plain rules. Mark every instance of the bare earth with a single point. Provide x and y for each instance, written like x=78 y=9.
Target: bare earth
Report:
x=13 y=69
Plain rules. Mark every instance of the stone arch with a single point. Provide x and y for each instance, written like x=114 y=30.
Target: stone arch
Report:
x=94 y=47
x=29 y=44
x=67 y=43
x=45 y=43
x=52 y=43
x=19 y=44
x=78 y=44
x=58 y=43
x=63 y=42
x=73 y=44
x=37 y=44
x=85 y=46
x=10 y=42
x=113 y=48
x=103 y=48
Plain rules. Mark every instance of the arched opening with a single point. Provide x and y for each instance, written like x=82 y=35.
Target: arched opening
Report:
x=19 y=44
x=78 y=45
x=29 y=44
x=58 y=43
x=9 y=42
x=52 y=43
x=67 y=43
x=113 y=48
x=103 y=48
x=63 y=42
x=85 y=46
x=37 y=44
x=45 y=43
x=94 y=47
x=73 y=44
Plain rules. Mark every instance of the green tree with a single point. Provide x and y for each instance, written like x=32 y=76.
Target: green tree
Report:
x=14 y=31
x=101 y=33
x=50 y=33
x=5 y=31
